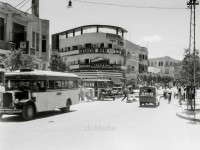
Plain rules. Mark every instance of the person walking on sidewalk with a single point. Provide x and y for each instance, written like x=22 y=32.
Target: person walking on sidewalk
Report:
x=169 y=95
x=125 y=91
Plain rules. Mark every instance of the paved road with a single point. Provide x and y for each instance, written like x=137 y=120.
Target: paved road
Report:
x=102 y=126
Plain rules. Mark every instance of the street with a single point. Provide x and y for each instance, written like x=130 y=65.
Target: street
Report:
x=102 y=125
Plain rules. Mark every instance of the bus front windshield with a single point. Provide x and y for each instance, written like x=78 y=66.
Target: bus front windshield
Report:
x=18 y=85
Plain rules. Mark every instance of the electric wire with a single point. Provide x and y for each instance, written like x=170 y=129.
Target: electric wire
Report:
x=24 y=4
x=133 y=6
x=32 y=6
x=20 y=3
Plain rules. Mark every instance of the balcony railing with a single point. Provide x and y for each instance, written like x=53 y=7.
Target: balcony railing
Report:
x=7 y=45
x=97 y=66
x=94 y=50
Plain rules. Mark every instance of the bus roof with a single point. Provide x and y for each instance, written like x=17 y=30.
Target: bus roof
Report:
x=41 y=73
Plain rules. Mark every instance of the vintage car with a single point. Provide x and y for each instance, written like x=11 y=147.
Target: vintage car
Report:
x=117 y=91
x=106 y=93
x=149 y=94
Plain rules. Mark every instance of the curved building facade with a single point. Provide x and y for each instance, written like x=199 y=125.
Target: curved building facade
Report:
x=94 y=52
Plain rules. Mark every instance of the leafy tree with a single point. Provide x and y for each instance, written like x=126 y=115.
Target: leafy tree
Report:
x=188 y=65
x=18 y=60
x=57 y=63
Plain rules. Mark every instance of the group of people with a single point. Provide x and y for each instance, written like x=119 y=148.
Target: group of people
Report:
x=179 y=92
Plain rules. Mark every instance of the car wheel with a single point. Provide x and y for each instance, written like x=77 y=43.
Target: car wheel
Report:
x=28 y=112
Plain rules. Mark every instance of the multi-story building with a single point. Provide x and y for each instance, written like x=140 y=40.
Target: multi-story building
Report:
x=136 y=61
x=20 y=29
x=94 y=52
x=166 y=65
x=99 y=55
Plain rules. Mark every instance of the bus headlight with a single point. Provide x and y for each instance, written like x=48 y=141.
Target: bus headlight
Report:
x=16 y=101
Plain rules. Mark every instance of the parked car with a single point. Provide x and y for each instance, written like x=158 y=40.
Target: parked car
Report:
x=149 y=94
x=107 y=93
x=117 y=91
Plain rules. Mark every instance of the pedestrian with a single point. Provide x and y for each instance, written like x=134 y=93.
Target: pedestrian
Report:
x=125 y=91
x=165 y=92
x=82 y=95
x=169 y=95
x=180 y=94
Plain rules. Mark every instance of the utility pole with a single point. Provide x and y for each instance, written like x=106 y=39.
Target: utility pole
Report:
x=192 y=5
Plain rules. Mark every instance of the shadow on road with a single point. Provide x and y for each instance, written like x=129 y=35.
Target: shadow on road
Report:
x=18 y=118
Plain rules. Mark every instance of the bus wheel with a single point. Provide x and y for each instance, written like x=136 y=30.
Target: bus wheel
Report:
x=28 y=112
x=67 y=108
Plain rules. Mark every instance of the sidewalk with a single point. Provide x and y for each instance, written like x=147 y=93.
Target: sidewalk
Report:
x=182 y=112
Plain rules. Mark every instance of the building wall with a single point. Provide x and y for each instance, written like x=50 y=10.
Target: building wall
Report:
x=165 y=64
x=31 y=25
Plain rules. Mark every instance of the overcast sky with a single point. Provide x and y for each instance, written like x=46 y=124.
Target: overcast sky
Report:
x=164 y=31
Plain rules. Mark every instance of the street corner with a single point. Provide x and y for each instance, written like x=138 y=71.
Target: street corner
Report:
x=188 y=114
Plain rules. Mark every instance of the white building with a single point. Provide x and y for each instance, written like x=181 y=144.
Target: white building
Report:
x=19 y=29
x=166 y=65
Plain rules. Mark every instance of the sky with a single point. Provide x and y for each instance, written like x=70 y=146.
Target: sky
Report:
x=165 y=32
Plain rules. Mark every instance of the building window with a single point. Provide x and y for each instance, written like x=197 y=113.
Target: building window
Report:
x=170 y=63
x=75 y=47
x=160 y=63
x=88 y=45
x=151 y=63
x=109 y=45
x=2 y=29
x=87 y=61
x=37 y=41
x=166 y=71
x=166 y=64
x=33 y=39
x=44 y=41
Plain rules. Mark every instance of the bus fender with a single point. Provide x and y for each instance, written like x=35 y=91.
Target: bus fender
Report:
x=26 y=101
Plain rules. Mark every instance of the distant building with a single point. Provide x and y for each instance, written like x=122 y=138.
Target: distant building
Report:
x=136 y=61
x=19 y=29
x=166 y=65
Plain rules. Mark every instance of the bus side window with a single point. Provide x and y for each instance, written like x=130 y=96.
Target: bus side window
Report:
x=66 y=85
x=75 y=84
x=58 y=84
x=71 y=85
x=63 y=84
x=51 y=84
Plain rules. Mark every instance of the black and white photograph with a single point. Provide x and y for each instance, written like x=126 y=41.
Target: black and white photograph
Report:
x=100 y=74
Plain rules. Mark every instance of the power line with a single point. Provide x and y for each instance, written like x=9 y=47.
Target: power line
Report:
x=132 y=6
x=20 y=3
x=24 y=4
x=32 y=6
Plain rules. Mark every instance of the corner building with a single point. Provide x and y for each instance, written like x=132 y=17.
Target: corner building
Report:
x=95 y=53
x=20 y=29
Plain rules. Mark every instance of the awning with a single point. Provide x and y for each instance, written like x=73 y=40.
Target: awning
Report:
x=116 y=80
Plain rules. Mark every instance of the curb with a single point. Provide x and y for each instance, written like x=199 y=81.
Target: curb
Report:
x=187 y=117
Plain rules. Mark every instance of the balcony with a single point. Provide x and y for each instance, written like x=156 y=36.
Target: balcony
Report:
x=97 y=67
x=92 y=51
x=7 y=45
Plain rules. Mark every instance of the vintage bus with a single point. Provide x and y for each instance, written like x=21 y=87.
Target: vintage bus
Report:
x=29 y=92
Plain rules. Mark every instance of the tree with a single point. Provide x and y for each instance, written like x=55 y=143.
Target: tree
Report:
x=188 y=65
x=18 y=60
x=57 y=63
